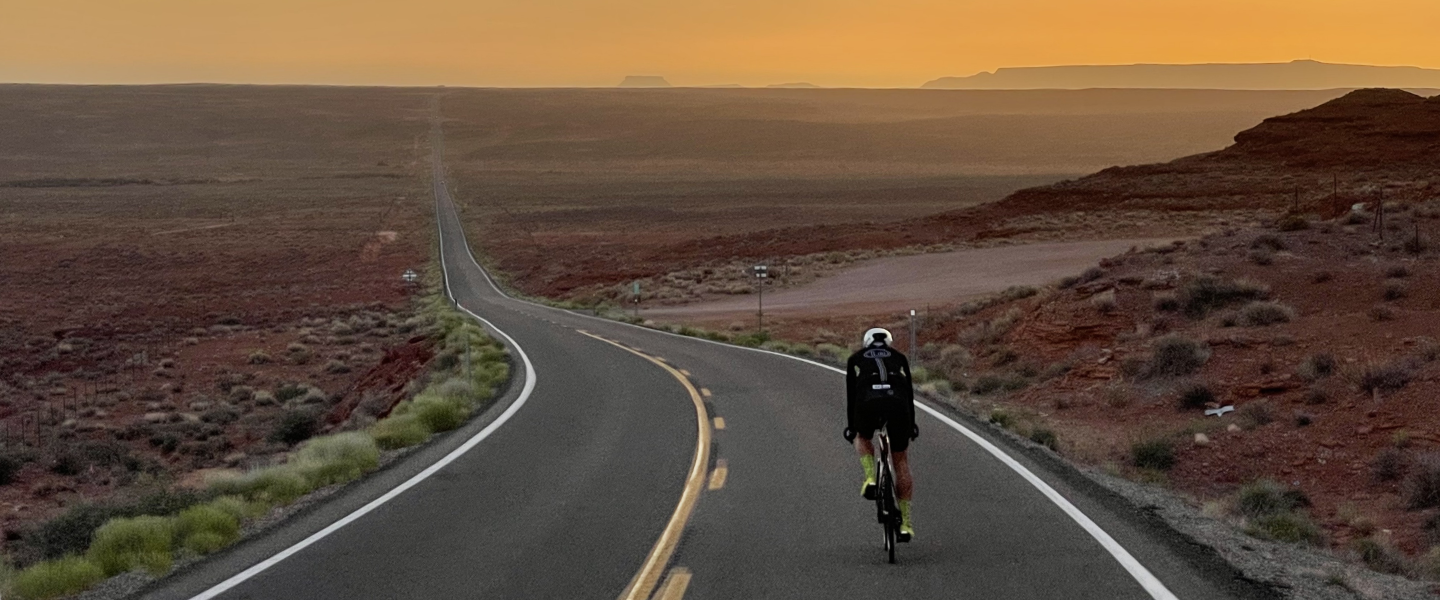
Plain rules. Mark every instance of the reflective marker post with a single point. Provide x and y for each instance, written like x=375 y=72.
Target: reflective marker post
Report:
x=913 y=352
x=762 y=272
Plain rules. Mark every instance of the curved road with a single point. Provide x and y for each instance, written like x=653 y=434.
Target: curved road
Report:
x=566 y=487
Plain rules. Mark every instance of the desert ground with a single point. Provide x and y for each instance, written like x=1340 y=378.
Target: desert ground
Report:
x=575 y=193
x=185 y=268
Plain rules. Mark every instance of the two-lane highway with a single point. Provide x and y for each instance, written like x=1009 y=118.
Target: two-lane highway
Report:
x=569 y=495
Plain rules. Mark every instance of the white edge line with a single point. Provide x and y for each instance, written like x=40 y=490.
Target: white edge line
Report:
x=510 y=411
x=1142 y=575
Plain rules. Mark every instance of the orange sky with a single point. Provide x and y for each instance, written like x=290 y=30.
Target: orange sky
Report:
x=882 y=43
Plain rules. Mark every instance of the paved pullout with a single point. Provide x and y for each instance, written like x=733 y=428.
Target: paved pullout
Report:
x=567 y=497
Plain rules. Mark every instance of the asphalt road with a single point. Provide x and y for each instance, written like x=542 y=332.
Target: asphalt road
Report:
x=566 y=488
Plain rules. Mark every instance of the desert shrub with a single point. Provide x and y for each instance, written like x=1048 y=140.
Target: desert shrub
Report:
x=295 y=426
x=1379 y=555
x=1388 y=464
x=1292 y=222
x=336 y=367
x=1317 y=366
x=1416 y=244
x=1256 y=414
x=10 y=465
x=271 y=485
x=990 y=383
x=124 y=544
x=1157 y=453
x=290 y=391
x=264 y=398
x=1104 y=302
x=1303 y=419
x=204 y=529
x=1261 y=314
x=1291 y=527
x=1422 y=485
x=1262 y=256
x=1381 y=313
x=1386 y=377
x=1175 y=356
x=258 y=357
x=1204 y=294
x=751 y=340
x=437 y=413
x=1046 y=438
x=1397 y=272
x=1316 y=395
x=1196 y=396
x=336 y=458
x=992 y=331
x=1394 y=289
x=1266 y=497
x=1268 y=241
x=1322 y=277
x=399 y=431
x=1429 y=350
x=55 y=578
x=1166 y=302
x=1091 y=274
x=999 y=417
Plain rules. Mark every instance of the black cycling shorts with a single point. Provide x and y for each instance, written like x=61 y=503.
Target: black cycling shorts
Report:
x=897 y=418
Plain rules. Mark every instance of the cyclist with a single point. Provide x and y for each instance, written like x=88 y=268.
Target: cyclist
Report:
x=879 y=391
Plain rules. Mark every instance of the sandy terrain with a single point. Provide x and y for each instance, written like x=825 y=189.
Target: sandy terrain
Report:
x=898 y=284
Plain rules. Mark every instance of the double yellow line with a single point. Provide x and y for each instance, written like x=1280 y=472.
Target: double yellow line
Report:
x=645 y=581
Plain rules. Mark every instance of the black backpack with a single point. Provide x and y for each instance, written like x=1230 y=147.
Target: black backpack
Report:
x=881 y=373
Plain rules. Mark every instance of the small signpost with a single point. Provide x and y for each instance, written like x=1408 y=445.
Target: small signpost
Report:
x=635 y=297
x=913 y=352
x=410 y=276
x=762 y=273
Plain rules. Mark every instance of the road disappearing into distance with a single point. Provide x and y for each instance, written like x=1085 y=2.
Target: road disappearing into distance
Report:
x=630 y=463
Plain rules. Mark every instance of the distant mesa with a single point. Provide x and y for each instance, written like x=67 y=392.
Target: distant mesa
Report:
x=1295 y=75
x=644 y=81
x=799 y=85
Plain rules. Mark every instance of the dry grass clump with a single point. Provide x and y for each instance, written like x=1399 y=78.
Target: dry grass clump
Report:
x=1154 y=453
x=1422 y=486
x=1173 y=356
x=1381 y=313
x=1388 y=464
x=1262 y=313
x=1091 y=274
x=1383 y=377
x=1202 y=295
x=1273 y=511
x=1317 y=366
x=1397 y=272
x=1268 y=241
x=1394 y=290
x=1195 y=397
x=259 y=357
x=1104 y=302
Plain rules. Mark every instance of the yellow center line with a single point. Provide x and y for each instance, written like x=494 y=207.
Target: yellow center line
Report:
x=705 y=392
x=685 y=373
x=649 y=575
x=719 y=422
x=717 y=477
x=675 y=584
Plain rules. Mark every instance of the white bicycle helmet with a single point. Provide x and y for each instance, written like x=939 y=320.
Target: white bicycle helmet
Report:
x=873 y=332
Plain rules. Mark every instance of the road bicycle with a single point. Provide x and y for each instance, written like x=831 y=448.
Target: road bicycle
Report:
x=887 y=510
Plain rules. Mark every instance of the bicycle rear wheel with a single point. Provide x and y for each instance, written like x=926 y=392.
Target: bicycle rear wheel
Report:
x=890 y=533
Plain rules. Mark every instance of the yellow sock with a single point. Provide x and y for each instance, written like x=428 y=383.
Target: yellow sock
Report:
x=868 y=463
x=905 y=513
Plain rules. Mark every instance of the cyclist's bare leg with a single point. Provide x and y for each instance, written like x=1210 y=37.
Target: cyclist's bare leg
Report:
x=864 y=446
x=903 y=484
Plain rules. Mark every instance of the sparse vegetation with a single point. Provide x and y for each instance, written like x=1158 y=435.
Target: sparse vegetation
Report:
x=1383 y=377
x=1155 y=453
x=1202 y=295
x=1317 y=366
x=1175 y=356
x=1388 y=464
x=1422 y=485
x=1381 y=313
x=1196 y=397
x=1276 y=512
x=1268 y=241
x=1395 y=290
x=1261 y=314
x=55 y=578
x=295 y=426
x=1046 y=438
x=1379 y=555
x=259 y=357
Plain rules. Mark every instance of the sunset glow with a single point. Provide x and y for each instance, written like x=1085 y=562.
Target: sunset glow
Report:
x=900 y=43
